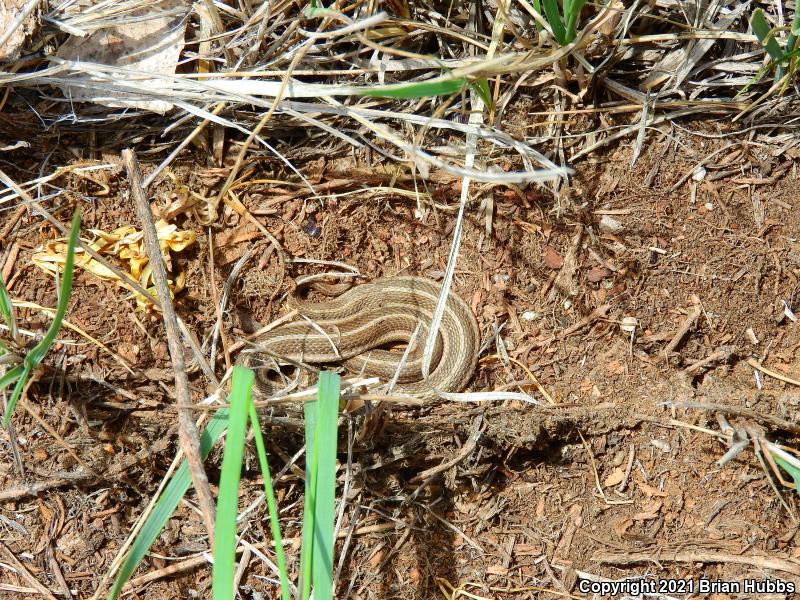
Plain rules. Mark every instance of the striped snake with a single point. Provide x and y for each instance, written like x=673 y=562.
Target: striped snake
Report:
x=352 y=328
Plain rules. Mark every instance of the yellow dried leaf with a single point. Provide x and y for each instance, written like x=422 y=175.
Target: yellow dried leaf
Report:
x=126 y=243
x=145 y=275
x=138 y=263
x=170 y=237
x=180 y=281
x=53 y=256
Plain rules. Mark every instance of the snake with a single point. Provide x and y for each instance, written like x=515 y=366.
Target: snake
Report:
x=354 y=329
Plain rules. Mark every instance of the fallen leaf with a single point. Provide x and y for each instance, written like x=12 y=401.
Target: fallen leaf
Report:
x=235 y=236
x=649 y=490
x=621 y=527
x=150 y=42
x=653 y=506
x=126 y=243
x=596 y=274
x=615 y=367
x=616 y=477
x=551 y=258
x=645 y=516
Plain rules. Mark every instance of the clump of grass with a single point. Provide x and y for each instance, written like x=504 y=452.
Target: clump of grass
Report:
x=23 y=363
x=225 y=539
x=316 y=550
x=316 y=562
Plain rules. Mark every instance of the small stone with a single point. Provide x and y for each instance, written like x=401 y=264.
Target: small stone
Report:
x=788 y=312
x=609 y=225
x=628 y=324
x=662 y=445
x=699 y=174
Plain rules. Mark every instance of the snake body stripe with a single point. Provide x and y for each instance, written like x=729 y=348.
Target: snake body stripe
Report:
x=351 y=328
x=353 y=343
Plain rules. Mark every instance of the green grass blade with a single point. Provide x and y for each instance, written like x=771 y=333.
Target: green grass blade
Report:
x=572 y=11
x=325 y=493
x=307 y=533
x=224 y=568
x=422 y=89
x=38 y=352
x=35 y=356
x=10 y=377
x=554 y=19
x=794 y=33
x=7 y=309
x=793 y=471
x=16 y=393
x=786 y=460
x=274 y=522
x=312 y=11
x=166 y=505
x=537 y=6
x=753 y=81
x=764 y=34
x=481 y=86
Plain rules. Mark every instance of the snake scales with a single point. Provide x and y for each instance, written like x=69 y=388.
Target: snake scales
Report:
x=365 y=318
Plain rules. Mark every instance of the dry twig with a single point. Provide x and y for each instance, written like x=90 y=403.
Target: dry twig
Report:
x=686 y=325
x=187 y=430
x=767 y=419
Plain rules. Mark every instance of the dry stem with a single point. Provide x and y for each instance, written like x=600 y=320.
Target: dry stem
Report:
x=187 y=430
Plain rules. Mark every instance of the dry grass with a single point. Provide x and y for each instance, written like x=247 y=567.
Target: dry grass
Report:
x=309 y=71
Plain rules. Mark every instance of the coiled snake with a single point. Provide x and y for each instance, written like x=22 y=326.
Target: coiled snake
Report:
x=352 y=328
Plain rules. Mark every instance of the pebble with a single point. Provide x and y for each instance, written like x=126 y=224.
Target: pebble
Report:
x=662 y=445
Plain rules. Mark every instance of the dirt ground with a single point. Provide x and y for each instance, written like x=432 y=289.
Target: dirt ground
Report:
x=637 y=290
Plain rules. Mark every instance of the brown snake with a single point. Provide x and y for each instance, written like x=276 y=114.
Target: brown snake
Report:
x=365 y=318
